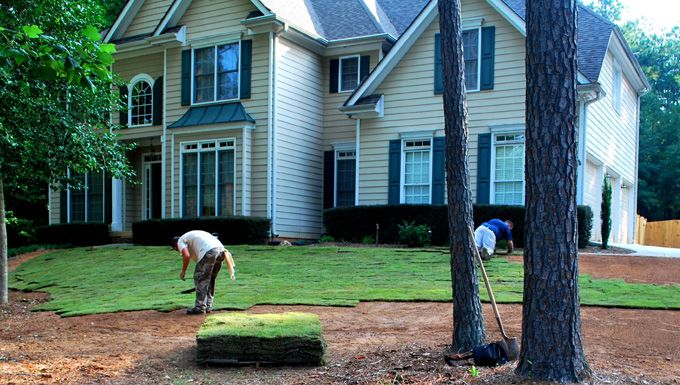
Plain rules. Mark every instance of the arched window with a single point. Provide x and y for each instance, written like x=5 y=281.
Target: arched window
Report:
x=141 y=101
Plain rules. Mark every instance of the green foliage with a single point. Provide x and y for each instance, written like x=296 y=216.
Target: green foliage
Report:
x=326 y=239
x=414 y=235
x=659 y=161
x=611 y=9
x=351 y=224
x=76 y=234
x=474 y=372
x=606 y=212
x=368 y=240
x=585 y=225
x=126 y=278
x=20 y=232
x=230 y=230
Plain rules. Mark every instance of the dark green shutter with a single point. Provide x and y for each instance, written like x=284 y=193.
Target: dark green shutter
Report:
x=394 y=173
x=246 y=67
x=438 y=75
x=438 y=171
x=364 y=67
x=158 y=102
x=334 y=70
x=123 y=114
x=186 y=78
x=328 y=179
x=108 y=198
x=63 y=206
x=483 y=168
x=487 y=59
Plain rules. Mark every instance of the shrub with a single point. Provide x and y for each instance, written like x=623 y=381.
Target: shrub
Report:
x=413 y=235
x=326 y=239
x=76 y=234
x=350 y=224
x=606 y=212
x=368 y=240
x=20 y=232
x=230 y=230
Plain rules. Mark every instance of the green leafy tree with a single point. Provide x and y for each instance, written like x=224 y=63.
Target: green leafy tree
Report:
x=56 y=92
x=611 y=9
x=606 y=212
x=659 y=160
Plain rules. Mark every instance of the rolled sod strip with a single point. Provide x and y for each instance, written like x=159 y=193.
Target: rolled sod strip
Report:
x=281 y=338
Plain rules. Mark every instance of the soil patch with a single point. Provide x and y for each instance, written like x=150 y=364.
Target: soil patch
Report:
x=373 y=343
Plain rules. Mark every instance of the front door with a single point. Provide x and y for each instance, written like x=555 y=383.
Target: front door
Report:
x=151 y=187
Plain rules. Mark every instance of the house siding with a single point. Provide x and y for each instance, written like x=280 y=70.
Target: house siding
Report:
x=611 y=136
x=148 y=17
x=411 y=106
x=299 y=158
x=206 y=18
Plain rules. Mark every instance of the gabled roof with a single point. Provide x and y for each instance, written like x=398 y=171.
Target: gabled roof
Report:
x=595 y=34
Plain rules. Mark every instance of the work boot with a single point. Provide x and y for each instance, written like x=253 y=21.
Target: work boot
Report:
x=484 y=253
x=195 y=310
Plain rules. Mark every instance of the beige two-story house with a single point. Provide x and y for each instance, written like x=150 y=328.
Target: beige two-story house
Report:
x=281 y=108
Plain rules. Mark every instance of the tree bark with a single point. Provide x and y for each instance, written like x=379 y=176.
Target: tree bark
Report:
x=551 y=324
x=4 y=296
x=468 y=322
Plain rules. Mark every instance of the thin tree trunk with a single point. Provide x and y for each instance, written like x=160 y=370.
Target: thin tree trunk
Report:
x=551 y=325
x=4 y=296
x=468 y=322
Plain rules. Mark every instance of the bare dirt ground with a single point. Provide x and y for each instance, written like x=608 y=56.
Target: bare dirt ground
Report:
x=373 y=343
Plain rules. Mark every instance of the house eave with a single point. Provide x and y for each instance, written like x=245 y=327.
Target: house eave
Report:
x=151 y=44
x=263 y=24
x=365 y=111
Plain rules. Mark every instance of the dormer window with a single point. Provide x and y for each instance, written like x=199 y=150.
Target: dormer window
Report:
x=216 y=73
x=349 y=73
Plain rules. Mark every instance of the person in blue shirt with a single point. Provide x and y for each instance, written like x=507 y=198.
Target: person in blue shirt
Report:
x=489 y=233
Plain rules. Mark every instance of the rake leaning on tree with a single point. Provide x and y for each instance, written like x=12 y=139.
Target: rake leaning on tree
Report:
x=208 y=253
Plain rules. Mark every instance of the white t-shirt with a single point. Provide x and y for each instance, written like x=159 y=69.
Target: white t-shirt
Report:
x=198 y=242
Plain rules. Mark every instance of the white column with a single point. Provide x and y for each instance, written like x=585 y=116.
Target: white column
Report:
x=117 y=205
x=632 y=215
x=581 y=155
x=357 y=160
x=616 y=209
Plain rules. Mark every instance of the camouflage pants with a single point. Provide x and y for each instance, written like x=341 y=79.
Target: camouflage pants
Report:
x=205 y=275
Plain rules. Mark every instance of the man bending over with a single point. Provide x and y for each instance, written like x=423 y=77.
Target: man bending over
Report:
x=489 y=233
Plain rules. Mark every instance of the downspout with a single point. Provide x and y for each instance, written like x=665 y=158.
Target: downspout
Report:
x=357 y=158
x=163 y=136
x=631 y=229
x=116 y=194
x=271 y=151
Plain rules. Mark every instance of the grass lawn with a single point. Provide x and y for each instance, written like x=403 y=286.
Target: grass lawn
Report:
x=109 y=279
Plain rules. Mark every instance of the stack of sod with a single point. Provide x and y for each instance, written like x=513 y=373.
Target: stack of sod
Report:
x=240 y=338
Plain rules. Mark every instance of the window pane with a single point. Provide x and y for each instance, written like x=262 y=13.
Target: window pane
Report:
x=225 y=192
x=349 y=70
x=78 y=200
x=189 y=184
x=204 y=74
x=345 y=182
x=141 y=103
x=471 y=57
x=95 y=197
x=207 y=184
x=417 y=176
x=227 y=67
x=509 y=174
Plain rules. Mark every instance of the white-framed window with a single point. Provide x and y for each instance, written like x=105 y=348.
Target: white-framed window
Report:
x=215 y=73
x=472 y=51
x=86 y=203
x=208 y=178
x=140 y=107
x=617 y=79
x=416 y=171
x=348 y=73
x=507 y=168
x=345 y=176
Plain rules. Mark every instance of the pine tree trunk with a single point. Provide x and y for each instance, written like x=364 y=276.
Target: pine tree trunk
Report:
x=468 y=322
x=4 y=296
x=551 y=324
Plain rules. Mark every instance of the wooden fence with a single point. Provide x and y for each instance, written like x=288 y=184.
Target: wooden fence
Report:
x=661 y=233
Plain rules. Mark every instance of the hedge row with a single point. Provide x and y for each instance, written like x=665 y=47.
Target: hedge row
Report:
x=352 y=224
x=230 y=230
x=76 y=234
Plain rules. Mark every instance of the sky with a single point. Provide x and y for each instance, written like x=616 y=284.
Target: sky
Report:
x=660 y=14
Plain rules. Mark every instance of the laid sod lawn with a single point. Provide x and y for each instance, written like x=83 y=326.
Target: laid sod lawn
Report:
x=110 y=279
